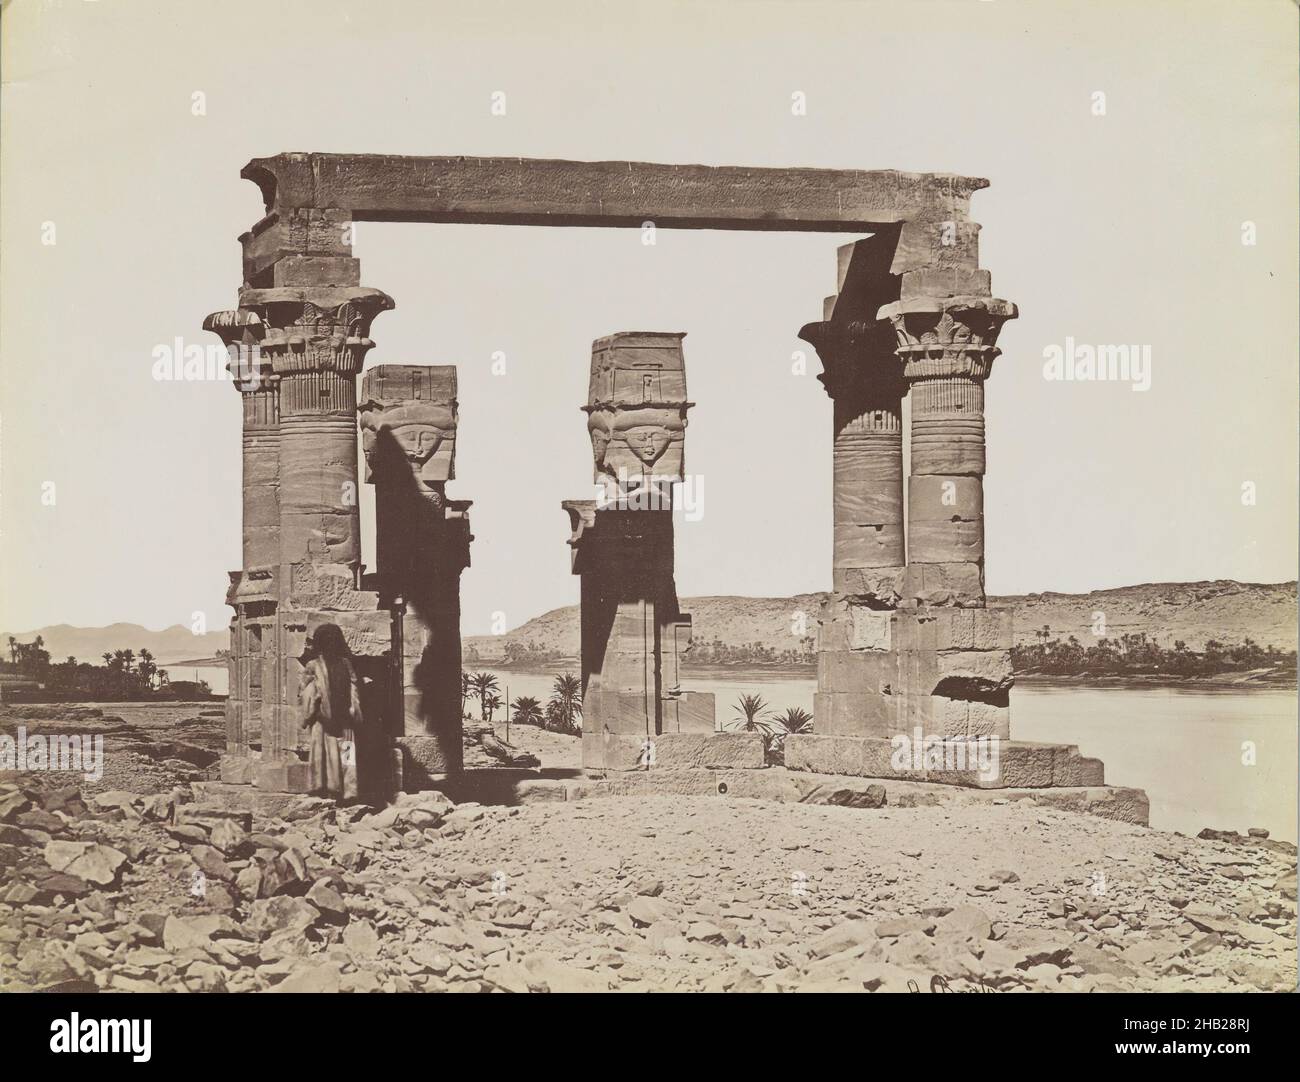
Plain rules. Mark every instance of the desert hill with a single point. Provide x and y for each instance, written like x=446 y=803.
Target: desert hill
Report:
x=1192 y=612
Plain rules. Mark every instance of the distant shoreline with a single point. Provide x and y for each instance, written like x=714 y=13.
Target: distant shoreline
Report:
x=1218 y=681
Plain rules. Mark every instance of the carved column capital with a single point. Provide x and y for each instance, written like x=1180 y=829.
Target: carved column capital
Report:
x=409 y=415
x=315 y=329
x=241 y=331
x=636 y=411
x=947 y=337
x=858 y=358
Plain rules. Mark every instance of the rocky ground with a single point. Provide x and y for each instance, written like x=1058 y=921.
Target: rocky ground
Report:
x=148 y=747
x=175 y=891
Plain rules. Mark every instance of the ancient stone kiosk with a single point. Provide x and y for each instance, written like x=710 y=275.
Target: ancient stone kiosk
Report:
x=914 y=669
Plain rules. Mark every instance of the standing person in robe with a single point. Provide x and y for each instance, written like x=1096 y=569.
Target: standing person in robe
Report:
x=331 y=707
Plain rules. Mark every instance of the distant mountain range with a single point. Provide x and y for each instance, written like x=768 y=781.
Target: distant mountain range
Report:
x=175 y=643
x=1192 y=612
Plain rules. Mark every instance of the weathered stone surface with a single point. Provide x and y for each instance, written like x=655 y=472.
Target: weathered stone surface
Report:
x=85 y=860
x=522 y=191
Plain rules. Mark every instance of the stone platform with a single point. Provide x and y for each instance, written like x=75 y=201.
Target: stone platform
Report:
x=788 y=786
x=1018 y=764
x=511 y=786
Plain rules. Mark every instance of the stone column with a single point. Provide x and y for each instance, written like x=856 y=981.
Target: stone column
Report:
x=314 y=340
x=947 y=346
x=252 y=589
x=408 y=422
x=623 y=550
x=855 y=667
x=954 y=663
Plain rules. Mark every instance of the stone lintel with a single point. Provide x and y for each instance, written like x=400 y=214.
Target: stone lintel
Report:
x=536 y=191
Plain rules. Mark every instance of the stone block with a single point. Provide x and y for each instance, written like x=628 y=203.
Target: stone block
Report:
x=881 y=758
x=883 y=585
x=864 y=501
x=869 y=628
x=983 y=668
x=986 y=719
x=940 y=499
x=676 y=751
x=867 y=545
x=820 y=754
x=973 y=629
x=1073 y=769
x=955 y=540
x=315 y=270
x=696 y=712
x=281 y=776
x=426 y=762
x=1028 y=765
x=853 y=713
x=712 y=751
x=949 y=281
x=856 y=671
x=948 y=243
x=237 y=769
x=955 y=584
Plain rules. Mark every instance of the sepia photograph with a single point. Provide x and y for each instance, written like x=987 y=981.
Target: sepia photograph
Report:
x=727 y=497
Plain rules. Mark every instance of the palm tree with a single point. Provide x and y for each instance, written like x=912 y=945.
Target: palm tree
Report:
x=483 y=683
x=565 y=707
x=795 y=720
x=464 y=689
x=148 y=670
x=491 y=704
x=528 y=711
x=13 y=650
x=752 y=716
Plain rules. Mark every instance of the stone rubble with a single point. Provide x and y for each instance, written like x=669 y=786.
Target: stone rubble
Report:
x=166 y=892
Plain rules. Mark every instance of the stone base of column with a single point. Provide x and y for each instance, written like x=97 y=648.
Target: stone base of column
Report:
x=281 y=776
x=237 y=769
x=427 y=761
x=945 y=670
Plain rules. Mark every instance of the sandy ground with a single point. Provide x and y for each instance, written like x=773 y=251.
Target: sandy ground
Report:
x=126 y=890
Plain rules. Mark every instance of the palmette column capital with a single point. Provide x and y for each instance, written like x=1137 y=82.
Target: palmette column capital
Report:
x=940 y=337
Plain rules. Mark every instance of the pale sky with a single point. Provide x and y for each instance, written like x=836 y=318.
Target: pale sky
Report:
x=1122 y=228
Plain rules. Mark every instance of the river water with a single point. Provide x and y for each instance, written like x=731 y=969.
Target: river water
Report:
x=1189 y=749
